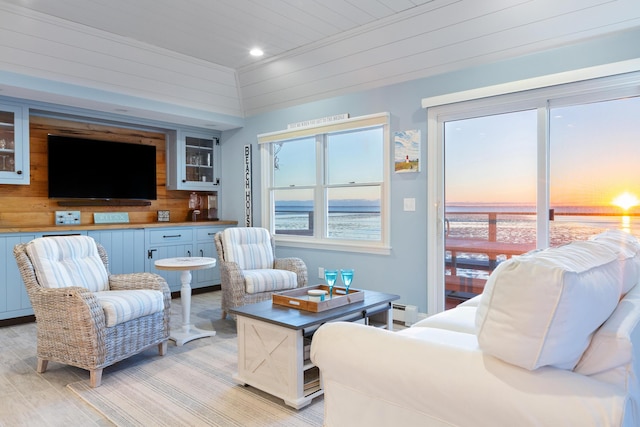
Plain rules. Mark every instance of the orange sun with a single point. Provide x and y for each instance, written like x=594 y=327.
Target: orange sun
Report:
x=626 y=201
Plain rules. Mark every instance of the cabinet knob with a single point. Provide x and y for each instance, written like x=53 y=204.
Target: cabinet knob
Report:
x=19 y=172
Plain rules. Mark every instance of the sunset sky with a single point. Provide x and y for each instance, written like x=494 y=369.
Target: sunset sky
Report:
x=595 y=156
x=353 y=157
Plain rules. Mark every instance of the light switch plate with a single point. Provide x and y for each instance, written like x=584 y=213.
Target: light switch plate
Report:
x=67 y=217
x=409 y=204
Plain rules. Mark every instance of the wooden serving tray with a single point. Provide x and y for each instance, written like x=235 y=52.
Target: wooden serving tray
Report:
x=298 y=298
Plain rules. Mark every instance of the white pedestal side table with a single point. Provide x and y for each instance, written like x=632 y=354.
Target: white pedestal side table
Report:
x=188 y=331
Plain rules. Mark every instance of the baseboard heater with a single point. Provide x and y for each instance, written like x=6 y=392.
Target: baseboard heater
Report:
x=404 y=313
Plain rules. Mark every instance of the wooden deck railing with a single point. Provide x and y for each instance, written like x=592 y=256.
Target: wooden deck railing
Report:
x=455 y=283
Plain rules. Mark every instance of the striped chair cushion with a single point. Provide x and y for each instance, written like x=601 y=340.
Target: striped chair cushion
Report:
x=122 y=306
x=249 y=247
x=64 y=261
x=257 y=281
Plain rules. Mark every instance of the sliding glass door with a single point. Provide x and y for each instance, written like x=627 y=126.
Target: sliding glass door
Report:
x=528 y=171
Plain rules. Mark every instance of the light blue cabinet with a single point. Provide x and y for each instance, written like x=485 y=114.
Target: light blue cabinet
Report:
x=14 y=301
x=125 y=248
x=183 y=242
x=168 y=243
x=205 y=246
x=130 y=250
x=14 y=144
x=193 y=162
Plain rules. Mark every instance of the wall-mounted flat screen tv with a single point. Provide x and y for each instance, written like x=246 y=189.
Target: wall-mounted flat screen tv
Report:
x=92 y=169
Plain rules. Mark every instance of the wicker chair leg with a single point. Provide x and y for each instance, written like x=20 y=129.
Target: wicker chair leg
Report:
x=42 y=365
x=95 y=378
x=162 y=348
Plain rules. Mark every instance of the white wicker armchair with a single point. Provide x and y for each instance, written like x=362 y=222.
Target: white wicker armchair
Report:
x=82 y=326
x=249 y=270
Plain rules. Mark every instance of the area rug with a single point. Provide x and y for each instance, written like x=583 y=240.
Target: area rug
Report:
x=190 y=386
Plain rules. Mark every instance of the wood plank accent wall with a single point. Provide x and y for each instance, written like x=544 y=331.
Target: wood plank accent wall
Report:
x=29 y=205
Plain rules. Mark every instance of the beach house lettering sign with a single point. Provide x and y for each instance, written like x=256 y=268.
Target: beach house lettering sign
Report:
x=248 y=217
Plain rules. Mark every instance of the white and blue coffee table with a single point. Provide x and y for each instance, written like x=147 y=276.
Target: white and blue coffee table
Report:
x=188 y=331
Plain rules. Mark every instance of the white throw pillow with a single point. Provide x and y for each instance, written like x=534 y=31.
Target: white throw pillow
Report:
x=541 y=308
x=628 y=249
x=611 y=347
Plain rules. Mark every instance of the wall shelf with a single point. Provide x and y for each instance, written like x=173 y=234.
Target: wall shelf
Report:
x=113 y=202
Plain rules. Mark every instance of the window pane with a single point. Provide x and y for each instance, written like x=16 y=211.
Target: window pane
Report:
x=354 y=213
x=595 y=178
x=355 y=157
x=490 y=197
x=294 y=211
x=294 y=162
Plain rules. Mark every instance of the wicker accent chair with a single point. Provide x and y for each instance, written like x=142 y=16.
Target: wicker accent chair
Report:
x=249 y=269
x=84 y=326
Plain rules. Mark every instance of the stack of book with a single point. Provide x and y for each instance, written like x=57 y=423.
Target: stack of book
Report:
x=307 y=350
x=311 y=380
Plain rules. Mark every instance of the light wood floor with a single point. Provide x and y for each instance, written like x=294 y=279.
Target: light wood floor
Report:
x=31 y=399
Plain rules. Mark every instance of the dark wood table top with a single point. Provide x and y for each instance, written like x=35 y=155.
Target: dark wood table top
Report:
x=294 y=318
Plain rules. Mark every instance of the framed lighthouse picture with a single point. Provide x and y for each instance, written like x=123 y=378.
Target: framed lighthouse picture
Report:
x=407 y=151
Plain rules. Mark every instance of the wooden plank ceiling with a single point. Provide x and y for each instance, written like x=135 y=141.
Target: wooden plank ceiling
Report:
x=223 y=31
x=318 y=49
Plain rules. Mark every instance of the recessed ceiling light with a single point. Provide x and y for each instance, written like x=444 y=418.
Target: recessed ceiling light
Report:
x=256 y=51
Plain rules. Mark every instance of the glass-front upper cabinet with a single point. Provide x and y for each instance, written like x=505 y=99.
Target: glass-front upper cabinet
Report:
x=193 y=162
x=14 y=144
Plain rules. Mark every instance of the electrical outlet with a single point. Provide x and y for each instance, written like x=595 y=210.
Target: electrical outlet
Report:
x=67 y=217
x=320 y=273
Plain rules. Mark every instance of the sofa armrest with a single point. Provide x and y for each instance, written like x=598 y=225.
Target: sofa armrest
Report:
x=426 y=376
x=296 y=265
x=68 y=317
x=130 y=281
x=231 y=274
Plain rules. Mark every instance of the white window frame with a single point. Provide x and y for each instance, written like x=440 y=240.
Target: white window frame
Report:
x=579 y=86
x=318 y=241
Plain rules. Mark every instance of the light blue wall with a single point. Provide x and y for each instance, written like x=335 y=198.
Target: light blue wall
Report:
x=404 y=271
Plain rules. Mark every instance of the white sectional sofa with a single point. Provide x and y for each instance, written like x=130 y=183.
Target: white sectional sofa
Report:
x=554 y=340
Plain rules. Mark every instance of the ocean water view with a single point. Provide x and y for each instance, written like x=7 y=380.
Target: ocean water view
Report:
x=517 y=224
x=353 y=219
x=348 y=219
